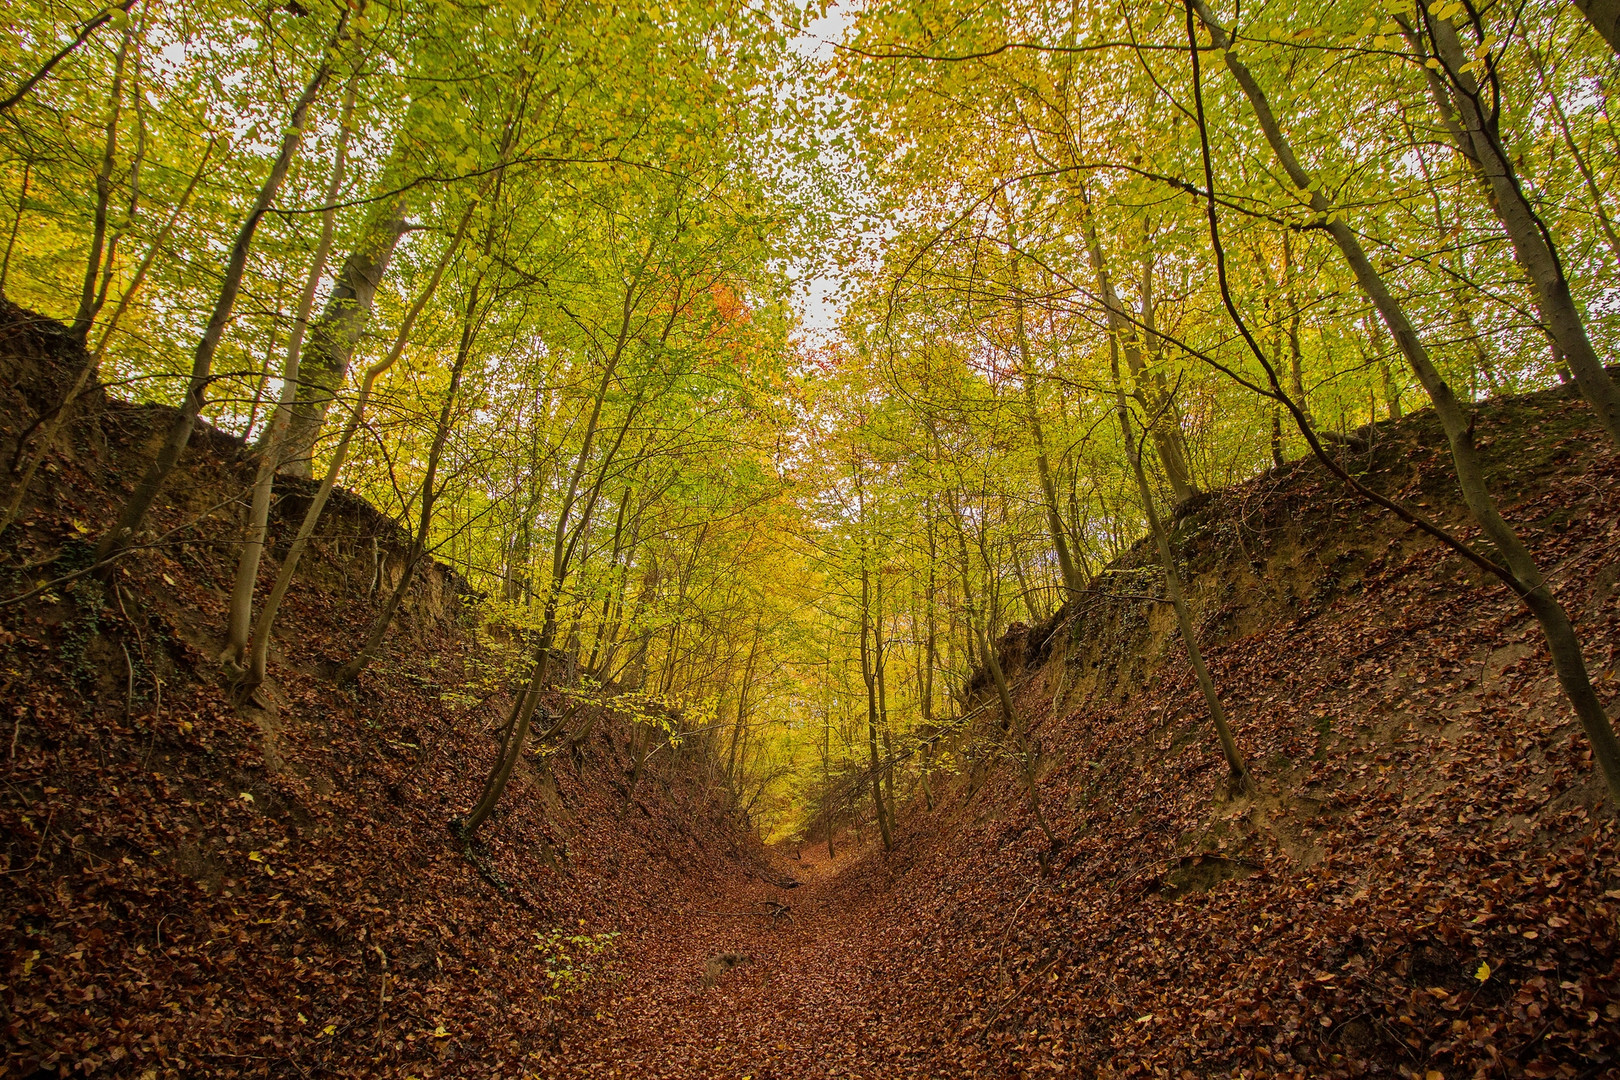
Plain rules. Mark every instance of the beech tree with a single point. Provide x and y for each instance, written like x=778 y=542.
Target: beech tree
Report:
x=523 y=277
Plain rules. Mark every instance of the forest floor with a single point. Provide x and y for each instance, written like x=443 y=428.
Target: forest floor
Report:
x=720 y=987
x=1422 y=883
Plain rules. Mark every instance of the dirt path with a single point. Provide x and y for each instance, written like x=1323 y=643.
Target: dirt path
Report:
x=800 y=1005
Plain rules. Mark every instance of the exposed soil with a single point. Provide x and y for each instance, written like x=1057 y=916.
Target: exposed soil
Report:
x=1423 y=880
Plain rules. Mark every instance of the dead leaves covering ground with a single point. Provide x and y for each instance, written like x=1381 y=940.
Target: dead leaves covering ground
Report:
x=1423 y=882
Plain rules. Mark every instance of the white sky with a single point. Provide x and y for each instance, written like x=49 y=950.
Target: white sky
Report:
x=815 y=298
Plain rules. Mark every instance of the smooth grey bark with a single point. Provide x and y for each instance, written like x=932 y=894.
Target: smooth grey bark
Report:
x=336 y=335
x=1475 y=129
x=202 y=362
x=240 y=617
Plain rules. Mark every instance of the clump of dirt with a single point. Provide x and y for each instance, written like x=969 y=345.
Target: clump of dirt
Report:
x=720 y=963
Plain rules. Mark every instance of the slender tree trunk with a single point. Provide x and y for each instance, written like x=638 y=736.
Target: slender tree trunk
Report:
x=79 y=330
x=613 y=590
x=1172 y=583
x=240 y=618
x=1518 y=568
x=1011 y=721
x=16 y=225
x=1072 y=582
x=564 y=540
x=928 y=655
x=1479 y=139
x=1169 y=438
x=337 y=333
x=146 y=490
x=875 y=765
x=742 y=708
x=1593 y=191
x=881 y=666
x=1296 y=358
x=258 y=662
x=826 y=781
x=351 y=670
x=1165 y=432
x=1605 y=18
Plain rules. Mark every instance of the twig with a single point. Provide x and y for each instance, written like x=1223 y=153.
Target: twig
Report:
x=129 y=688
x=48 y=819
x=1033 y=976
x=1001 y=954
x=382 y=993
x=120 y=553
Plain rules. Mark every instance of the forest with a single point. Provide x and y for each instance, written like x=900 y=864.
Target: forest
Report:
x=888 y=538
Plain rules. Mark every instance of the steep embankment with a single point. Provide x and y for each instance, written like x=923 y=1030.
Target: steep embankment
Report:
x=192 y=890
x=1424 y=882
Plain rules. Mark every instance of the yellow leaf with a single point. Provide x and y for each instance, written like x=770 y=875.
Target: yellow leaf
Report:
x=254 y=856
x=329 y=1029
x=1433 y=1074
x=1484 y=971
x=245 y=797
x=440 y=1033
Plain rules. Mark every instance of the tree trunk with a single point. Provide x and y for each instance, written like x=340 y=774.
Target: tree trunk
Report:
x=1479 y=140
x=1521 y=572
x=146 y=490
x=1166 y=430
x=335 y=335
x=429 y=494
x=1605 y=18
x=1072 y=582
x=259 y=658
x=1172 y=583
x=565 y=537
x=1011 y=722
x=240 y=622
x=875 y=768
x=79 y=330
